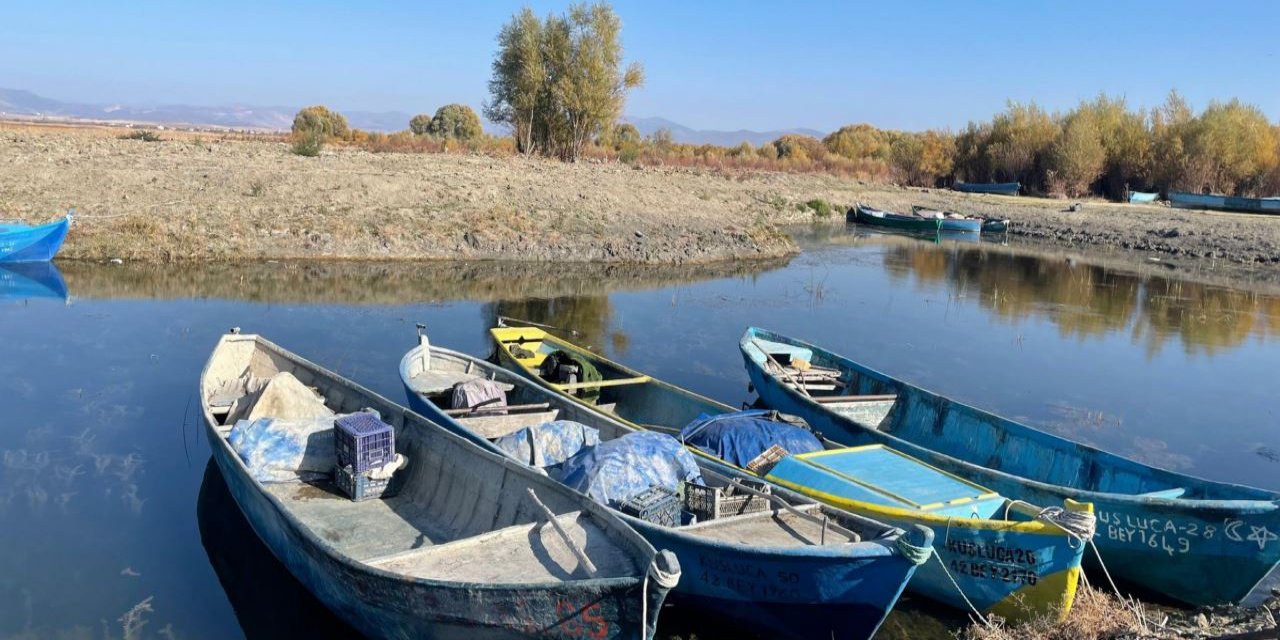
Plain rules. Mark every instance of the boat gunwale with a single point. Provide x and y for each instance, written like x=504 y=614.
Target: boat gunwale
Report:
x=926 y=519
x=1260 y=506
x=319 y=543
x=868 y=548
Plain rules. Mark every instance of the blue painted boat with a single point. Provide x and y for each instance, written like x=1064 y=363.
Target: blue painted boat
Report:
x=988 y=225
x=1046 y=588
x=472 y=546
x=26 y=243
x=1189 y=539
x=775 y=569
x=996 y=188
x=864 y=214
x=1182 y=200
x=1139 y=197
x=31 y=280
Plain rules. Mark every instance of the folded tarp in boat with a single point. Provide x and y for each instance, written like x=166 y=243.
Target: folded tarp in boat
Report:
x=549 y=443
x=741 y=436
x=618 y=469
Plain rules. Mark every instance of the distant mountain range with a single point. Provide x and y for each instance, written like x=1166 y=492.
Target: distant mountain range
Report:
x=21 y=103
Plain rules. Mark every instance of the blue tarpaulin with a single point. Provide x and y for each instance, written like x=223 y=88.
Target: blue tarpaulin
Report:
x=285 y=450
x=549 y=443
x=741 y=436
x=618 y=469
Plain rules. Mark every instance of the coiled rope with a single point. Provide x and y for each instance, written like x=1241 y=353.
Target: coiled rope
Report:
x=914 y=554
x=1078 y=525
x=664 y=579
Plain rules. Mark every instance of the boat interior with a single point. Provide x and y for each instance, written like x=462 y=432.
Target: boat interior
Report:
x=794 y=367
x=459 y=515
x=764 y=520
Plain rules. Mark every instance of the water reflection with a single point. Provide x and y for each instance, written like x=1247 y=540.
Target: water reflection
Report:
x=29 y=280
x=1088 y=300
x=268 y=601
x=387 y=282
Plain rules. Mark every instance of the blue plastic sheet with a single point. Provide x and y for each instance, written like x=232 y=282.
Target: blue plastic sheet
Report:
x=741 y=436
x=285 y=450
x=549 y=443
x=624 y=467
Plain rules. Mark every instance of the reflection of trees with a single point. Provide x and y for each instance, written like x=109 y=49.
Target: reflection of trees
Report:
x=588 y=315
x=1093 y=300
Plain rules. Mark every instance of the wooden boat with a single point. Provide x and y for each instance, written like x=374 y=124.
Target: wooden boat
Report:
x=974 y=551
x=1184 y=200
x=1192 y=540
x=863 y=214
x=29 y=280
x=996 y=188
x=26 y=243
x=473 y=545
x=989 y=225
x=774 y=569
x=1139 y=197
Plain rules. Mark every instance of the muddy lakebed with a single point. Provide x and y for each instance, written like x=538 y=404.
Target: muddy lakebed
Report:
x=116 y=523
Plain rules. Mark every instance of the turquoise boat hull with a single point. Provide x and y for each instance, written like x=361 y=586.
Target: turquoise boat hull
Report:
x=1192 y=540
x=1138 y=197
x=659 y=404
x=890 y=220
x=996 y=188
x=24 y=243
x=1182 y=200
x=801 y=592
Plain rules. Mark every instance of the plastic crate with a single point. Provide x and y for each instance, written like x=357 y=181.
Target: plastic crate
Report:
x=709 y=503
x=763 y=463
x=359 y=486
x=656 y=504
x=363 y=442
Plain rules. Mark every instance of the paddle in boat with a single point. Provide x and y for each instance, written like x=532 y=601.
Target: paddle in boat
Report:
x=1006 y=557
x=940 y=222
x=27 y=243
x=472 y=545
x=1184 y=200
x=772 y=561
x=1192 y=540
x=995 y=188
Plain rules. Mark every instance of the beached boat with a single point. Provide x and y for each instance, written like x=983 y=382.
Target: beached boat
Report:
x=1192 y=540
x=979 y=537
x=996 y=188
x=863 y=214
x=772 y=569
x=27 y=243
x=989 y=225
x=1184 y=200
x=472 y=546
x=1139 y=197
x=28 y=280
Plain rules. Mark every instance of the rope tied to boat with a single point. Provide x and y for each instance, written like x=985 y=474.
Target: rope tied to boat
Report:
x=663 y=578
x=916 y=555
x=977 y=614
x=1078 y=525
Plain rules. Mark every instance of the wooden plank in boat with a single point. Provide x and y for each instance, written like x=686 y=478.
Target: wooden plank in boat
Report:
x=490 y=427
x=889 y=397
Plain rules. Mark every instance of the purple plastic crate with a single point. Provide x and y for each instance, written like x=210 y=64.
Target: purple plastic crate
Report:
x=362 y=441
x=359 y=486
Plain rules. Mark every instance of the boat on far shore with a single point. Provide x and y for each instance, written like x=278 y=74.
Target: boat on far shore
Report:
x=1141 y=197
x=1184 y=200
x=996 y=188
x=989 y=225
x=863 y=214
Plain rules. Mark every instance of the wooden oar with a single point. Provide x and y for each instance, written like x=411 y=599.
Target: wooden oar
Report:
x=573 y=546
x=799 y=385
x=482 y=409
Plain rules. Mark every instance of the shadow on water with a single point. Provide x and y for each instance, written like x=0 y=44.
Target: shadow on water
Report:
x=268 y=601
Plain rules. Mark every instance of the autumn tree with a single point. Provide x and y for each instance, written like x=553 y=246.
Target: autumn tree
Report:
x=420 y=125
x=320 y=120
x=858 y=142
x=1019 y=141
x=560 y=83
x=456 y=121
x=1077 y=158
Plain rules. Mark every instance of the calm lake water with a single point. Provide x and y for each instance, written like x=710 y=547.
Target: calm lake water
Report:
x=109 y=504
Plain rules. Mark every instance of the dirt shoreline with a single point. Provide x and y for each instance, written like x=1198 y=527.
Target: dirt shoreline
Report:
x=196 y=197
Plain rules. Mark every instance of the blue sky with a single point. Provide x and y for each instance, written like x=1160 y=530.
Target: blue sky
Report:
x=712 y=64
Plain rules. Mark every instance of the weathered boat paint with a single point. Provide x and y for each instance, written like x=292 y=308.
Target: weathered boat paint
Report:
x=27 y=243
x=1015 y=596
x=997 y=188
x=383 y=604
x=1189 y=539
x=807 y=592
x=1183 y=200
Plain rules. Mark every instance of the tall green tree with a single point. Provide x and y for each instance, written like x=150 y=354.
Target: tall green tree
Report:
x=560 y=83
x=457 y=121
x=320 y=120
